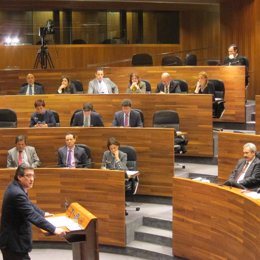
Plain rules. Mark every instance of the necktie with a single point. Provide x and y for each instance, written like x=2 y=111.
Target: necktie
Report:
x=20 y=158
x=30 y=90
x=69 y=158
x=86 y=124
x=166 y=89
x=242 y=171
x=126 y=120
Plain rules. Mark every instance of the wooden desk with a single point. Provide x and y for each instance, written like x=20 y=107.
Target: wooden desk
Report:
x=154 y=147
x=230 y=150
x=101 y=191
x=213 y=222
x=194 y=111
x=233 y=77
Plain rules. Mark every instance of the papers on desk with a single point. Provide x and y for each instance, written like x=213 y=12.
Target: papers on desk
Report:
x=201 y=179
x=132 y=173
x=63 y=221
x=252 y=194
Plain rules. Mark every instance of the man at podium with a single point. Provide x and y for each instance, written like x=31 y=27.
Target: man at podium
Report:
x=18 y=213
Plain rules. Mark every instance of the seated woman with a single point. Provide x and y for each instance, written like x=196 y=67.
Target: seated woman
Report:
x=42 y=117
x=66 y=87
x=135 y=84
x=113 y=158
x=203 y=86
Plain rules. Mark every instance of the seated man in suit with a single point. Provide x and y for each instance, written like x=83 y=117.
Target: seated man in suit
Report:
x=247 y=171
x=71 y=155
x=101 y=85
x=31 y=88
x=167 y=85
x=127 y=117
x=234 y=59
x=42 y=117
x=87 y=117
x=22 y=154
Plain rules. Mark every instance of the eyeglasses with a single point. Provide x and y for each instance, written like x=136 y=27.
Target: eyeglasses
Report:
x=29 y=176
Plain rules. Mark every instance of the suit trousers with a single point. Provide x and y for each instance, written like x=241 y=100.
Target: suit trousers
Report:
x=10 y=255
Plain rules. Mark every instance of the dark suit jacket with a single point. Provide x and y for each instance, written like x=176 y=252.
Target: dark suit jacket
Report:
x=95 y=119
x=80 y=156
x=47 y=117
x=38 y=89
x=209 y=89
x=18 y=213
x=173 y=88
x=252 y=176
x=135 y=119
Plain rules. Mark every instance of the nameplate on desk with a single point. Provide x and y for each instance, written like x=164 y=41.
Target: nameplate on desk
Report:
x=63 y=221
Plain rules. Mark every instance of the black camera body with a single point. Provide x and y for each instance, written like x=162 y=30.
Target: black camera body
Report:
x=48 y=29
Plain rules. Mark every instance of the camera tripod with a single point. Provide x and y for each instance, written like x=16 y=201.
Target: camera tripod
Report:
x=43 y=58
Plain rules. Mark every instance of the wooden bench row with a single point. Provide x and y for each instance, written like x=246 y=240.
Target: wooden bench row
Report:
x=100 y=191
x=233 y=77
x=214 y=222
x=154 y=146
x=195 y=112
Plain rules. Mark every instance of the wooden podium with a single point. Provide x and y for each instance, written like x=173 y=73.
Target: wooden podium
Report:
x=82 y=231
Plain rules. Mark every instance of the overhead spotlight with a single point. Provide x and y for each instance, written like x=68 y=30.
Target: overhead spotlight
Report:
x=11 y=40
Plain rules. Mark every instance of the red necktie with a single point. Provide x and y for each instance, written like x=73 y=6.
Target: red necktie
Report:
x=20 y=158
x=242 y=171
x=126 y=120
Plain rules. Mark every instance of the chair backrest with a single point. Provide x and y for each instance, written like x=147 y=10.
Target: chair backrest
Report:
x=88 y=152
x=142 y=59
x=166 y=118
x=148 y=86
x=78 y=85
x=183 y=85
x=72 y=117
x=57 y=117
x=141 y=114
x=213 y=62
x=190 y=59
x=219 y=88
x=79 y=41
x=8 y=118
x=131 y=156
x=171 y=60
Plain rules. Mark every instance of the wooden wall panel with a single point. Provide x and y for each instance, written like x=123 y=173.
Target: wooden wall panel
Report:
x=257 y=114
x=214 y=222
x=230 y=150
x=53 y=187
x=233 y=77
x=194 y=111
x=154 y=146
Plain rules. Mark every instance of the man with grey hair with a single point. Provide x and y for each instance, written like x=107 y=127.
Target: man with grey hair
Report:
x=167 y=85
x=247 y=171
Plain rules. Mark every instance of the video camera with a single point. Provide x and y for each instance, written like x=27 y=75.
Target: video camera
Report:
x=48 y=29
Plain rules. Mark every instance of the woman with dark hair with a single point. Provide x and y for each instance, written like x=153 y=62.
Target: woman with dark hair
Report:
x=113 y=158
x=42 y=117
x=66 y=86
x=135 y=84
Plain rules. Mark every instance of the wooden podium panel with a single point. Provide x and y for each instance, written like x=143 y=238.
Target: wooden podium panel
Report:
x=102 y=192
x=233 y=77
x=154 y=147
x=214 y=222
x=230 y=150
x=195 y=112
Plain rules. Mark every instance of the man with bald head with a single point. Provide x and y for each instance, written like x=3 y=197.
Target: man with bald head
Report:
x=167 y=85
x=30 y=87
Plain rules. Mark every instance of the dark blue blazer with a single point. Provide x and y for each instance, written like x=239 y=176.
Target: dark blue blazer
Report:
x=95 y=119
x=173 y=88
x=135 y=119
x=38 y=89
x=80 y=156
x=47 y=117
x=18 y=212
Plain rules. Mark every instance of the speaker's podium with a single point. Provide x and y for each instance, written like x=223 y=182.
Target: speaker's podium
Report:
x=81 y=229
